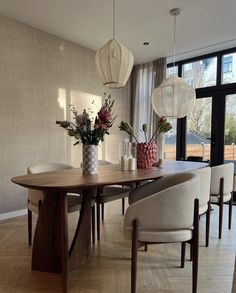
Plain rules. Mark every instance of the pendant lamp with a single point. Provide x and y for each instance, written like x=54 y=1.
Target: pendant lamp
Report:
x=114 y=62
x=173 y=98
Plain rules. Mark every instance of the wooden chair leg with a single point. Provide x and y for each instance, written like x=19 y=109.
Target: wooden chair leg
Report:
x=123 y=206
x=195 y=244
x=230 y=212
x=208 y=216
x=134 y=257
x=98 y=220
x=29 y=227
x=93 y=223
x=102 y=211
x=145 y=247
x=191 y=252
x=183 y=248
x=221 y=206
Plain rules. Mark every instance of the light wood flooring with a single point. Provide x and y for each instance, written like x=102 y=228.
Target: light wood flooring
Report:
x=109 y=269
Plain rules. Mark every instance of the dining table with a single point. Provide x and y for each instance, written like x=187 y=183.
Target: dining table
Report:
x=50 y=251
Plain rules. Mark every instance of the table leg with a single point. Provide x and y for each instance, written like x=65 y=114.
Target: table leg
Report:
x=80 y=249
x=50 y=246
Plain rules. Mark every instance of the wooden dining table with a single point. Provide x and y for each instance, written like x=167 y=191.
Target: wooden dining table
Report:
x=50 y=251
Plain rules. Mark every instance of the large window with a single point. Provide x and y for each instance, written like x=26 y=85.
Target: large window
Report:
x=201 y=73
x=208 y=131
x=199 y=129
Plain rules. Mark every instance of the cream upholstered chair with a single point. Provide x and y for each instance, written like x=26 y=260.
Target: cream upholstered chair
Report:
x=222 y=178
x=35 y=197
x=204 y=197
x=108 y=194
x=168 y=214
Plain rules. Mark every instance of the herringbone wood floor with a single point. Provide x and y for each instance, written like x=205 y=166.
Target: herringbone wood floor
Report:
x=109 y=269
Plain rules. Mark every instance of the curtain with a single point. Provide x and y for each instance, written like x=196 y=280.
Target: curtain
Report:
x=145 y=78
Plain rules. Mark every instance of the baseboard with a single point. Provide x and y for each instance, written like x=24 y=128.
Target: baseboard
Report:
x=14 y=214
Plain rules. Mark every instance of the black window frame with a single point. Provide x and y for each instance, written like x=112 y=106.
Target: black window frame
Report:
x=218 y=93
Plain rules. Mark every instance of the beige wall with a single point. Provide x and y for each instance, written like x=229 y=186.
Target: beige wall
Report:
x=40 y=74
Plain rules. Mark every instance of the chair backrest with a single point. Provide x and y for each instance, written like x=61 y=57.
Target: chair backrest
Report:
x=225 y=171
x=155 y=186
x=205 y=183
x=170 y=209
x=195 y=158
x=47 y=167
x=34 y=196
x=104 y=162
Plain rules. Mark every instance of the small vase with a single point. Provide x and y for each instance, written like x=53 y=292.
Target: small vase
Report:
x=90 y=159
x=146 y=155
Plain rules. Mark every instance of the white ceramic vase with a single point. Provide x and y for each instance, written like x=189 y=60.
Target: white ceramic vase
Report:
x=90 y=159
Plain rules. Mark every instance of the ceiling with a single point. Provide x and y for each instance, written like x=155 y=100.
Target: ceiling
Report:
x=203 y=26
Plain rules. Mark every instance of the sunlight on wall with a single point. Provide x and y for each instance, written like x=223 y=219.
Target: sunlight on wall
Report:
x=82 y=101
x=61 y=99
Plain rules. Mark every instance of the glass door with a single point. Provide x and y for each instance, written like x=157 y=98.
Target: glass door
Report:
x=230 y=128
x=198 y=134
x=230 y=133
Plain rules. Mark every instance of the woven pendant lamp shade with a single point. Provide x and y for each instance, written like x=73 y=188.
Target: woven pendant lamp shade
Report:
x=114 y=63
x=173 y=98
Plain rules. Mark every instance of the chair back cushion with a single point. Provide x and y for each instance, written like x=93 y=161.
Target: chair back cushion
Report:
x=155 y=186
x=34 y=169
x=225 y=171
x=205 y=183
x=104 y=162
x=167 y=210
x=34 y=196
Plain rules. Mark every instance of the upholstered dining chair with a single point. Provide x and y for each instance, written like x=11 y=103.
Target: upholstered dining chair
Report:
x=204 y=197
x=36 y=197
x=108 y=194
x=167 y=213
x=222 y=179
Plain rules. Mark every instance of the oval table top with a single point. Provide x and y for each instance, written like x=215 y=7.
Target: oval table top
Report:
x=110 y=174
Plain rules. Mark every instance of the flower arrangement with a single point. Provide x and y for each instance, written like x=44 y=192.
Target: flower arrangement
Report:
x=162 y=127
x=83 y=128
x=147 y=151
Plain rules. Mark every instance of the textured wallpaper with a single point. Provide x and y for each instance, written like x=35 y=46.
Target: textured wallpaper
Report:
x=41 y=74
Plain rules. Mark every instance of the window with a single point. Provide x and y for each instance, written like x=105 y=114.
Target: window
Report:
x=170 y=71
x=199 y=129
x=169 y=149
x=201 y=73
x=227 y=64
x=228 y=68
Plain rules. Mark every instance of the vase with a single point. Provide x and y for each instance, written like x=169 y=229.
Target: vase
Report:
x=90 y=159
x=146 y=154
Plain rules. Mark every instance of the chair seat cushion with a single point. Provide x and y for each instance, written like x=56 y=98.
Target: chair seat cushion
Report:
x=161 y=236
x=216 y=198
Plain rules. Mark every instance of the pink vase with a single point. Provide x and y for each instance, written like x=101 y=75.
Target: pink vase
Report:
x=146 y=155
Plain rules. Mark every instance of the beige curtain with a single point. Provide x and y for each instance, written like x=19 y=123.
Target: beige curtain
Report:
x=145 y=78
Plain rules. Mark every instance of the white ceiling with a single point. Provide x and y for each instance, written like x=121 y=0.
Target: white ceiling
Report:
x=206 y=25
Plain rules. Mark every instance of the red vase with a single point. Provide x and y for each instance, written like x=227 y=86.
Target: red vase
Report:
x=146 y=155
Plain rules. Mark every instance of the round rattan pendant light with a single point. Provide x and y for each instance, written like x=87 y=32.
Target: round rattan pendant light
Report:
x=173 y=98
x=114 y=61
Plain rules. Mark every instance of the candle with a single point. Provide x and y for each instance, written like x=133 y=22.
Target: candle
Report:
x=132 y=164
x=124 y=163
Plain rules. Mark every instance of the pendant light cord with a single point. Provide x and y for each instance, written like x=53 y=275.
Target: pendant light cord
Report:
x=174 y=37
x=114 y=19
